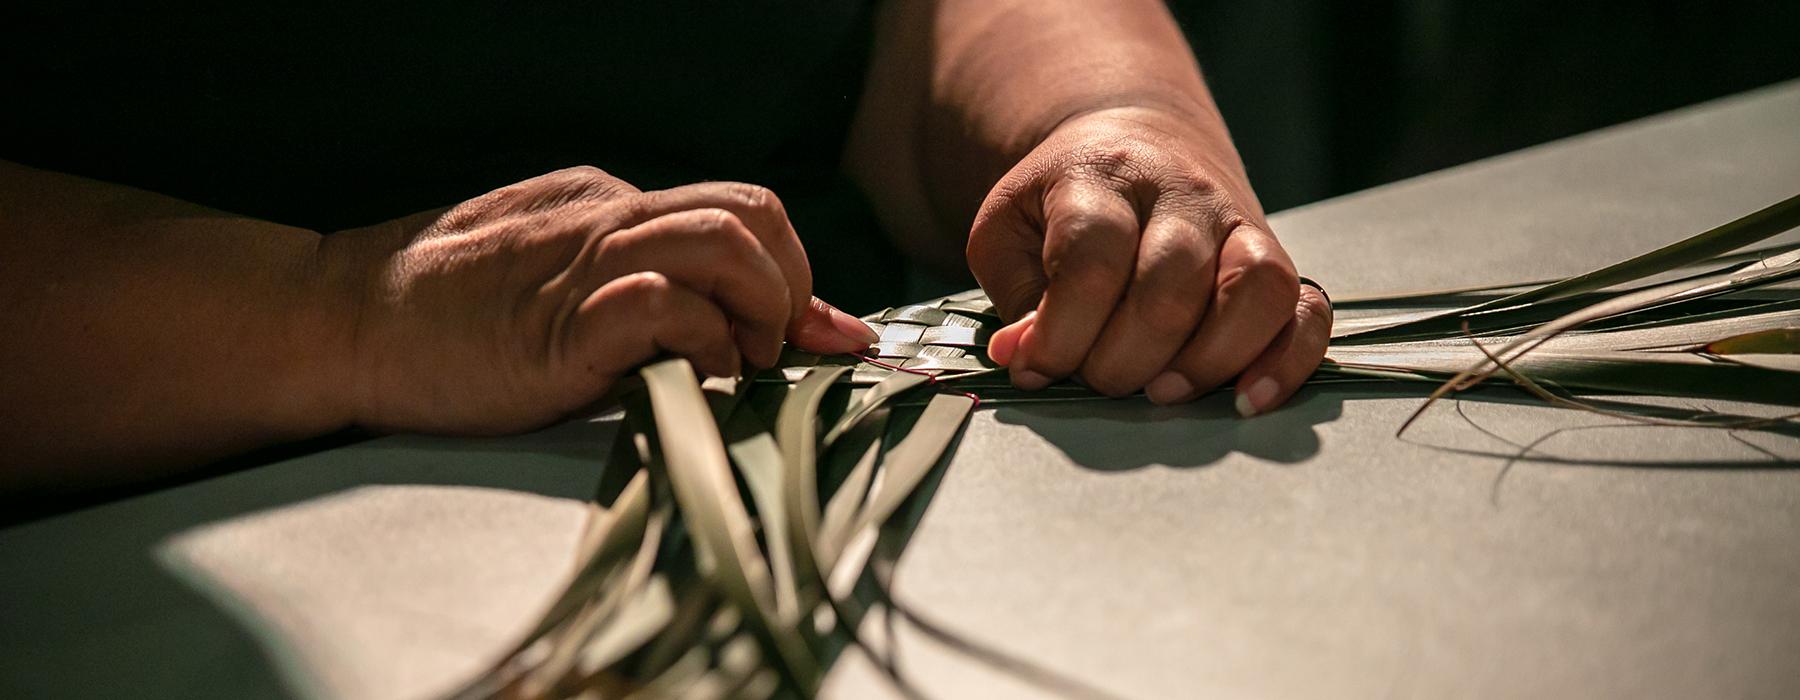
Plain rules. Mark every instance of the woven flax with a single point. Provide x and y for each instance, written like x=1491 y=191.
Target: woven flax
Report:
x=947 y=335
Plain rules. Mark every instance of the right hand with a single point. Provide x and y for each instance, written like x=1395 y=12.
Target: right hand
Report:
x=520 y=306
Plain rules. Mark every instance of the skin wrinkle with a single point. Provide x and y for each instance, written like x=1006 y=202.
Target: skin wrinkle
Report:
x=1174 y=177
x=573 y=297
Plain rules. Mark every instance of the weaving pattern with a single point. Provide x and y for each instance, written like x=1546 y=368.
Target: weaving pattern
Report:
x=944 y=336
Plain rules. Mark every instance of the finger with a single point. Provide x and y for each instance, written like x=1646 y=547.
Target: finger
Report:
x=1169 y=290
x=630 y=320
x=1090 y=245
x=825 y=330
x=1005 y=253
x=760 y=211
x=1252 y=300
x=1274 y=377
x=711 y=252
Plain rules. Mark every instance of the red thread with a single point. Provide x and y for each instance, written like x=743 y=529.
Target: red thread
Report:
x=929 y=377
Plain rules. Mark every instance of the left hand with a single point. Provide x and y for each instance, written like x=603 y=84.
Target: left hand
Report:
x=1128 y=250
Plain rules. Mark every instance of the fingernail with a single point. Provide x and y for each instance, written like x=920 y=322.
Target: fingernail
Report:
x=851 y=326
x=1256 y=399
x=1029 y=380
x=1169 y=387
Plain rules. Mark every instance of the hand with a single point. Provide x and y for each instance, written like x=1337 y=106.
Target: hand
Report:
x=519 y=306
x=1127 y=249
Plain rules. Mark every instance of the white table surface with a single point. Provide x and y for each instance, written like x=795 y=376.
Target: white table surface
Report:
x=1152 y=552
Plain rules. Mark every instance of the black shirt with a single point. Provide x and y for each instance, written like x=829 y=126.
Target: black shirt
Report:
x=334 y=115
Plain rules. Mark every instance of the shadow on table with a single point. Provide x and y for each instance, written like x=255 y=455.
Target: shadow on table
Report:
x=1132 y=433
x=91 y=610
x=1633 y=418
x=1626 y=416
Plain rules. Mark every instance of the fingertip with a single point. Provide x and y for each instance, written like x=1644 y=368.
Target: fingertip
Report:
x=1023 y=376
x=1004 y=344
x=1169 y=388
x=1288 y=360
x=851 y=327
x=1257 y=396
x=822 y=328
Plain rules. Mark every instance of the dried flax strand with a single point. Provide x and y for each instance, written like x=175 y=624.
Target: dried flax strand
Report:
x=740 y=514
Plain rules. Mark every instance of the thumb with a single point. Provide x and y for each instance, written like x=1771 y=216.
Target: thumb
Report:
x=1005 y=342
x=825 y=330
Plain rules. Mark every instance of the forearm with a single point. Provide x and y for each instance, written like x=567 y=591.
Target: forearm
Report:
x=144 y=333
x=962 y=89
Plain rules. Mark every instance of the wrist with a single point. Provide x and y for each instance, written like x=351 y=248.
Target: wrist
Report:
x=1189 y=124
x=344 y=290
x=1160 y=104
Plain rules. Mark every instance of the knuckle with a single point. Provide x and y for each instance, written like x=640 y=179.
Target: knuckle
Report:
x=587 y=181
x=580 y=173
x=713 y=221
x=726 y=237
x=574 y=179
x=1313 y=307
x=1004 y=205
x=510 y=195
x=1106 y=159
x=648 y=288
x=1087 y=221
x=1122 y=160
x=1110 y=158
x=1196 y=191
x=1272 y=275
x=756 y=198
x=1085 y=255
x=1268 y=269
x=1166 y=309
x=995 y=217
x=568 y=187
x=1190 y=204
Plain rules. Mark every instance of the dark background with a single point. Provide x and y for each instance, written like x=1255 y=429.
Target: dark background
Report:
x=1325 y=98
